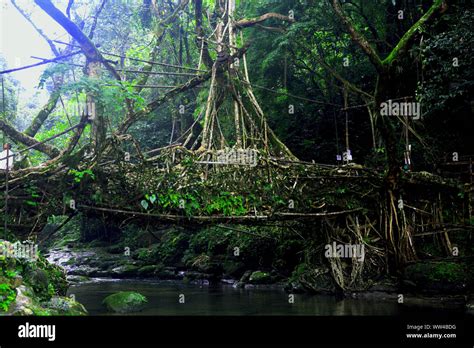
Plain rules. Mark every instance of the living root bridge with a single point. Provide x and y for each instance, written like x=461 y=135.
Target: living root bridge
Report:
x=244 y=219
x=342 y=203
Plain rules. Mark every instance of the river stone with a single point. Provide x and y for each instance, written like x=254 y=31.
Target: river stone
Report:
x=244 y=279
x=39 y=278
x=470 y=306
x=166 y=273
x=83 y=270
x=146 y=270
x=66 y=306
x=259 y=277
x=125 y=270
x=23 y=302
x=294 y=287
x=17 y=281
x=440 y=277
x=125 y=302
x=77 y=279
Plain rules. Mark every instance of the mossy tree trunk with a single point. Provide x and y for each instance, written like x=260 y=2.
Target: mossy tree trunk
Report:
x=388 y=87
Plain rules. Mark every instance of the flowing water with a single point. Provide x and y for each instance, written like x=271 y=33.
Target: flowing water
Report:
x=223 y=299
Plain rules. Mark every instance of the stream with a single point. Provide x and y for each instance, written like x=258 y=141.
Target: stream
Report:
x=224 y=299
x=220 y=299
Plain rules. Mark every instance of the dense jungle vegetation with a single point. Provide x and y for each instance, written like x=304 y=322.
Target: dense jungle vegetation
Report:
x=233 y=139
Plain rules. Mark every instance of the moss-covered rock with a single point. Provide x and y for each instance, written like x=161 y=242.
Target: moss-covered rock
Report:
x=314 y=279
x=60 y=305
x=34 y=287
x=125 y=302
x=126 y=271
x=233 y=268
x=438 y=277
x=38 y=279
x=147 y=271
x=470 y=306
x=259 y=277
x=244 y=279
x=23 y=303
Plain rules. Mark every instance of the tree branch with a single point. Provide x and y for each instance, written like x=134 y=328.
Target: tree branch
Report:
x=196 y=81
x=45 y=61
x=96 y=18
x=245 y=23
x=401 y=47
x=68 y=9
x=42 y=115
x=89 y=49
x=206 y=57
x=358 y=37
x=15 y=135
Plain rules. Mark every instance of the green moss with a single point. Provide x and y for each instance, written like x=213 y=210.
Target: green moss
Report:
x=147 y=270
x=41 y=312
x=260 y=277
x=65 y=306
x=449 y=271
x=437 y=272
x=298 y=272
x=7 y=296
x=32 y=288
x=402 y=44
x=125 y=302
x=44 y=278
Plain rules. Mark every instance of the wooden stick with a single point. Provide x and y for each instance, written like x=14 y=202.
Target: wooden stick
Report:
x=438 y=232
x=46 y=61
x=216 y=217
x=244 y=231
x=318 y=214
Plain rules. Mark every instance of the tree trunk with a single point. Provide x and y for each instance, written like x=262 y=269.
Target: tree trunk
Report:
x=98 y=130
x=232 y=44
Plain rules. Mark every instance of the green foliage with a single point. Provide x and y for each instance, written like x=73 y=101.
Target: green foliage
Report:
x=439 y=272
x=60 y=125
x=217 y=243
x=227 y=204
x=134 y=237
x=7 y=296
x=192 y=203
x=171 y=200
x=449 y=271
x=125 y=301
x=121 y=91
x=33 y=192
x=144 y=204
x=79 y=175
x=446 y=81
x=172 y=247
x=52 y=71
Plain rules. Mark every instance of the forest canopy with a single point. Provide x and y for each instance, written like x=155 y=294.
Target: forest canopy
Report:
x=350 y=117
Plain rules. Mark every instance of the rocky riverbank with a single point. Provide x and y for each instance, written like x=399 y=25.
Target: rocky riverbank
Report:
x=206 y=256
x=419 y=286
x=34 y=287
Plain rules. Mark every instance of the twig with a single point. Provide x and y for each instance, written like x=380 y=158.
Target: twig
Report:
x=46 y=61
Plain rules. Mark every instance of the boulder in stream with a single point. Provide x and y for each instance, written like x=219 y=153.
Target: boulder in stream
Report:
x=125 y=302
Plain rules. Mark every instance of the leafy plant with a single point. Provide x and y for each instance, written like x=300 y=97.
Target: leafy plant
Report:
x=7 y=296
x=79 y=175
x=227 y=204
x=33 y=192
x=172 y=200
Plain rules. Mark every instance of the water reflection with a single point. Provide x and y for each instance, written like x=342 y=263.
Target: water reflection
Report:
x=224 y=299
